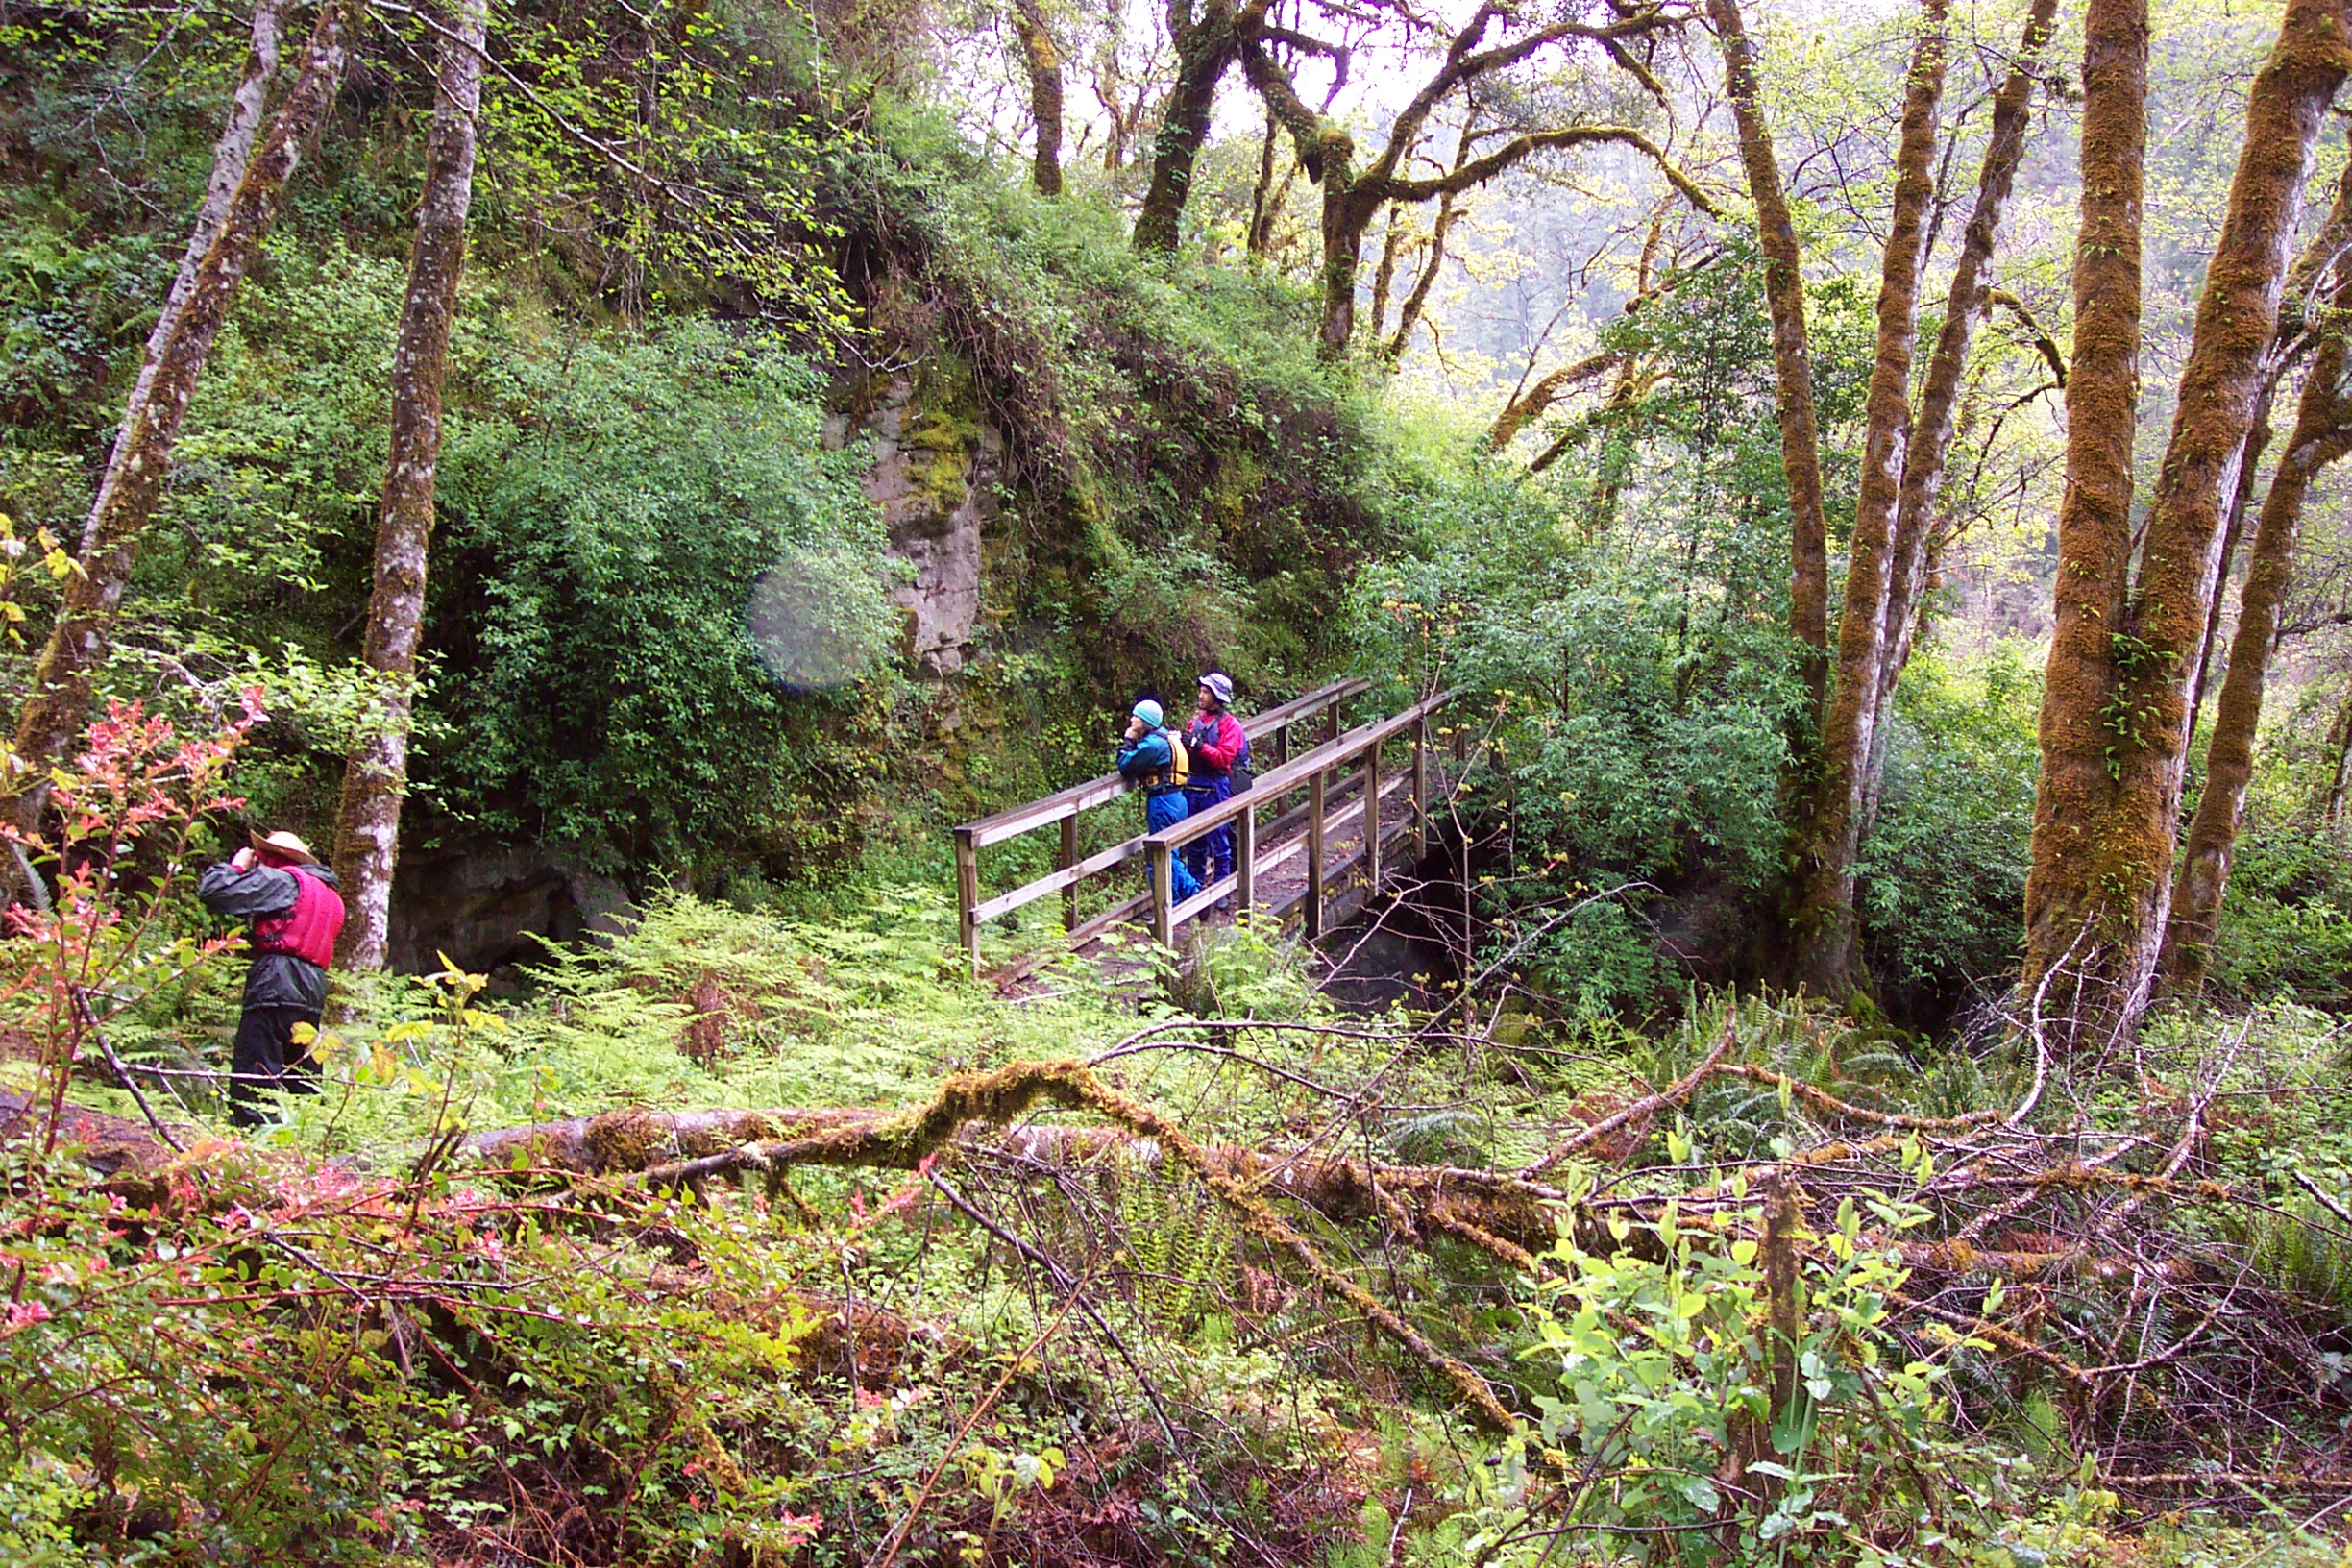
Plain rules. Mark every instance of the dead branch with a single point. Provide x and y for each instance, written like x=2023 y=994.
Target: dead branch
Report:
x=1648 y=1106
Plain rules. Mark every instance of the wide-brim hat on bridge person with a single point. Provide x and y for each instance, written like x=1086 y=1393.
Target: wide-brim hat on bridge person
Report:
x=1219 y=686
x=283 y=846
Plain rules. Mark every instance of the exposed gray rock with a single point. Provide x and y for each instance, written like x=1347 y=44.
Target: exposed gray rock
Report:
x=935 y=479
x=486 y=909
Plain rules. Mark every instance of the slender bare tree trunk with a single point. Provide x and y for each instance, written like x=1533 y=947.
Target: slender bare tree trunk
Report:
x=1965 y=303
x=1823 y=926
x=1043 y=63
x=1262 y=204
x=2322 y=434
x=2341 y=779
x=231 y=156
x=375 y=774
x=2114 y=714
x=1383 y=275
x=1616 y=462
x=141 y=464
x=1792 y=357
x=1616 y=458
x=1408 y=314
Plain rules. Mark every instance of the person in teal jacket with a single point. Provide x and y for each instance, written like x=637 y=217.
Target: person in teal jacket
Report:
x=1152 y=758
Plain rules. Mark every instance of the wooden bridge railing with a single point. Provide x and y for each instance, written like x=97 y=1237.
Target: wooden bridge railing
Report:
x=1269 y=735
x=1349 y=764
x=1322 y=773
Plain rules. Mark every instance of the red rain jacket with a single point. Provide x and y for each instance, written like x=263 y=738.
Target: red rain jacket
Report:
x=1216 y=743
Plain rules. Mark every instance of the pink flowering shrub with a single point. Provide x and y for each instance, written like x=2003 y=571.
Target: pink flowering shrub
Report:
x=126 y=814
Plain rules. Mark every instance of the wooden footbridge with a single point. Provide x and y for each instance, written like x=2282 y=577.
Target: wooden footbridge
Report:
x=1316 y=838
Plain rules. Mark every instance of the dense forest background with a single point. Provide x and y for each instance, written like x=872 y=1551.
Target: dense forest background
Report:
x=657 y=466
x=819 y=291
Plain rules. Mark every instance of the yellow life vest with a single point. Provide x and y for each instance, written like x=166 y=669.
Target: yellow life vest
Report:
x=1180 y=761
x=1179 y=768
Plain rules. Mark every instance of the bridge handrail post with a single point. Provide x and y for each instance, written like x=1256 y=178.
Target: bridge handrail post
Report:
x=1160 y=859
x=1245 y=862
x=1069 y=858
x=1420 y=786
x=967 y=897
x=1312 y=915
x=1372 y=820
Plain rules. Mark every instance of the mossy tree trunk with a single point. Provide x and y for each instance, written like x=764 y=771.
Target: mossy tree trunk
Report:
x=54 y=712
x=1967 y=302
x=2233 y=532
x=2062 y=890
x=1792 y=353
x=375 y=774
x=1823 y=926
x=1531 y=403
x=2115 y=710
x=2322 y=434
x=1352 y=198
x=1041 y=59
x=1904 y=459
x=1206 y=42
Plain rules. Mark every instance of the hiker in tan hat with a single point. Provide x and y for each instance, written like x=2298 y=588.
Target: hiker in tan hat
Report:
x=277 y=885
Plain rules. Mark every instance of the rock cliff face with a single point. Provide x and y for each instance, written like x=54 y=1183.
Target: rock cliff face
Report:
x=935 y=474
x=487 y=907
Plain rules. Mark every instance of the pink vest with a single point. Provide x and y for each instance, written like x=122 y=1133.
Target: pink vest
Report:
x=308 y=931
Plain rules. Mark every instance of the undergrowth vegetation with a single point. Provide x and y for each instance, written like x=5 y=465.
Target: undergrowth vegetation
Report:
x=750 y=1230
x=754 y=1235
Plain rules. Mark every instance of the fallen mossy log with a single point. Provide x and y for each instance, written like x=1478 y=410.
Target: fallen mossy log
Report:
x=967 y=1114
x=2010 y=1204
x=1242 y=1180
x=633 y=1140
x=109 y=1144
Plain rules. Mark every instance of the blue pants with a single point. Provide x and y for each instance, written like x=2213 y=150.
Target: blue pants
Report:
x=1165 y=808
x=1214 y=847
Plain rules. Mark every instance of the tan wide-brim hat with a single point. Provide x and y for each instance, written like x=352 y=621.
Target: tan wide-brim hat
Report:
x=285 y=845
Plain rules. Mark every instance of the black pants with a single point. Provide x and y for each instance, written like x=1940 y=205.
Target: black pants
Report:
x=265 y=1058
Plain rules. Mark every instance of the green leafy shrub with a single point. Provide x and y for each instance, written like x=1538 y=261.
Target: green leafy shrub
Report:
x=610 y=509
x=1663 y=1412
x=1638 y=718
x=1940 y=880
x=2286 y=926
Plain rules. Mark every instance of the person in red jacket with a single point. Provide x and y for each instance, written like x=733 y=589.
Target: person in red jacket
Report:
x=278 y=885
x=1217 y=746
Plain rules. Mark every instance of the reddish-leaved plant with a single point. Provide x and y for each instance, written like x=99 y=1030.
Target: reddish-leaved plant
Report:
x=114 y=840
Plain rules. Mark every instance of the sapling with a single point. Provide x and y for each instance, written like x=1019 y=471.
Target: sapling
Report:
x=123 y=817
